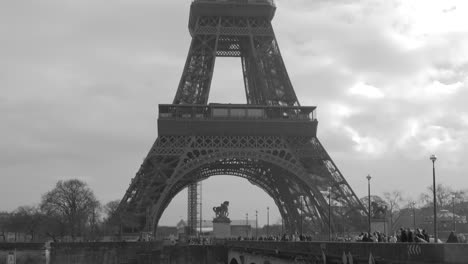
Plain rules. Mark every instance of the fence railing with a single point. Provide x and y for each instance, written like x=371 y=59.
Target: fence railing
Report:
x=239 y=112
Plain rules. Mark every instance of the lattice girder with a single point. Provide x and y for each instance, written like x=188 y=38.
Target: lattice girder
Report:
x=251 y=38
x=271 y=162
x=233 y=26
x=265 y=182
x=279 y=184
x=194 y=86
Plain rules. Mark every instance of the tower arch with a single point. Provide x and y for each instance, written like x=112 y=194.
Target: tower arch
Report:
x=264 y=170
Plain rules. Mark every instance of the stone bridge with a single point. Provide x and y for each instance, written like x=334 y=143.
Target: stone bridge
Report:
x=262 y=252
x=235 y=252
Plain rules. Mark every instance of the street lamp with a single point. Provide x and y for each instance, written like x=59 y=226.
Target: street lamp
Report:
x=268 y=221
x=453 y=213
x=302 y=212
x=329 y=214
x=413 y=205
x=369 y=203
x=256 y=224
x=282 y=225
x=247 y=225
x=433 y=158
x=385 y=223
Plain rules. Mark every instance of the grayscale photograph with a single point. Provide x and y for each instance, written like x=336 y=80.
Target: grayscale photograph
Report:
x=233 y=131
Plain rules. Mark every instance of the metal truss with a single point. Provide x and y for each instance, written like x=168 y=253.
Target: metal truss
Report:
x=250 y=38
x=293 y=171
x=192 y=208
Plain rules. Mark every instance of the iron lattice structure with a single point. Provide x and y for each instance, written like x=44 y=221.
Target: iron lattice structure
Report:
x=192 y=208
x=270 y=141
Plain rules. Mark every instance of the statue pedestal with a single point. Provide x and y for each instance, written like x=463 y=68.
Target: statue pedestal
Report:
x=222 y=228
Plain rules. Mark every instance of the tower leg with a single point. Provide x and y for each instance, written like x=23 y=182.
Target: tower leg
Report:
x=194 y=86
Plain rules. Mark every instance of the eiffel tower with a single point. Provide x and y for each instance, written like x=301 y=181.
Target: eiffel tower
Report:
x=270 y=141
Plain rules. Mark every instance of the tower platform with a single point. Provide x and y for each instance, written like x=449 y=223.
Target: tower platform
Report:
x=230 y=8
x=236 y=120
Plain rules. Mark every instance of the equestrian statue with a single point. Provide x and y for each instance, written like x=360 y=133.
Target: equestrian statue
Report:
x=221 y=211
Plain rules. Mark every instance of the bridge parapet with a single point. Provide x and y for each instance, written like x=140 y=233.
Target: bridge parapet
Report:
x=381 y=252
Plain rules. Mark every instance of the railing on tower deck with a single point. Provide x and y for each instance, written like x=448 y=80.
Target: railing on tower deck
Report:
x=260 y=2
x=237 y=112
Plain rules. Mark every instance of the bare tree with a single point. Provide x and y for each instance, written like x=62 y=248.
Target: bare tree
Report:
x=73 y=202
x=443 y=196
x=393 y=200
x=111 y=208
x=4 y=218
x=376 y=202
x=25 y=219
x=112 y=221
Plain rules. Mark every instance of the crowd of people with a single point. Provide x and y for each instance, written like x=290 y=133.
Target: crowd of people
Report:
x=408 y=235
x=284 y=237
x=402 y=236
x=277 y=238
x=200 y=241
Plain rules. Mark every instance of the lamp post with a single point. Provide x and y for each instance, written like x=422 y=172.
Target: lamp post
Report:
x=413 y=205
x=268 y=221
x=247 y=225
x=302 y=212
x=329 y=214
x=453 y=213
x=369 y=203
x=385 y=223
x=256 y=224
x=433 y=158
x=282 y=225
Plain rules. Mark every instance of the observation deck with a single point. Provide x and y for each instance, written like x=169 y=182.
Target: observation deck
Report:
x=236 y=120
x=231 y=8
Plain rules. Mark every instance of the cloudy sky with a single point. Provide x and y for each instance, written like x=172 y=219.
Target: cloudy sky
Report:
x=81 y=80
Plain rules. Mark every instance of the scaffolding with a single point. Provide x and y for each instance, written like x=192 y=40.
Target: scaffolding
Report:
x=194 y=208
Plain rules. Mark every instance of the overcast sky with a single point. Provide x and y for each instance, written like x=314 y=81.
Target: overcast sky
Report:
x=81 y=80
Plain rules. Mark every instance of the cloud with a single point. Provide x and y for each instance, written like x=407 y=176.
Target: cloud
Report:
x=366 y=90
x=371 y=146
x=437 y=88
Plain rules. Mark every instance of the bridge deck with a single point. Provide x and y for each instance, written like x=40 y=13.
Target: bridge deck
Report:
x=411 y=253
